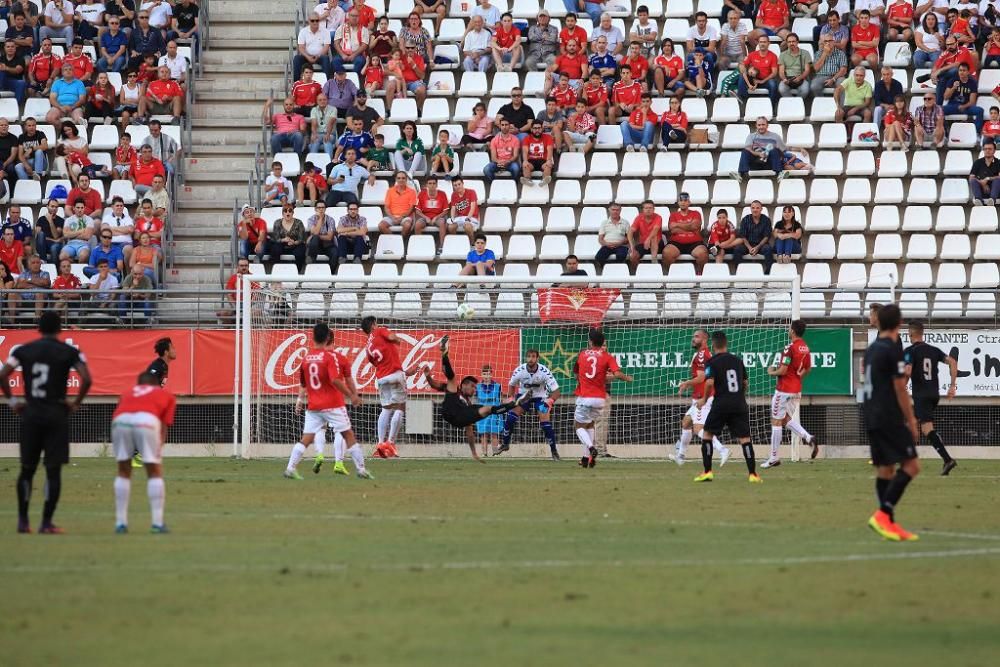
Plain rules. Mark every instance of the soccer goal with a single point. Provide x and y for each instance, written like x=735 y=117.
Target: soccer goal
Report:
x=493 y=322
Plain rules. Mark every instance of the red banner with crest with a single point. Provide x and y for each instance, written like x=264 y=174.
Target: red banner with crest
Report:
x=575 y=304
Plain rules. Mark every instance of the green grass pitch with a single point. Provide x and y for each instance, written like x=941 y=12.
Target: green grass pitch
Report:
x=509 y=563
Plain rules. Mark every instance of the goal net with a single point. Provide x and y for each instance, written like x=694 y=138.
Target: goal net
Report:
x=648 y=325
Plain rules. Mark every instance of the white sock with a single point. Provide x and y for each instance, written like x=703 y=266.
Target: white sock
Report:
x=718 y=446
x=298 y=451
x=157 y=492
x=123 y=487
x=319 y=441
x=338 y=448
x=383 y=424
x=395 y=424
x=776 y=437
x=799 y=431
x=358 y=457
x=685 y=440
x=586 y=438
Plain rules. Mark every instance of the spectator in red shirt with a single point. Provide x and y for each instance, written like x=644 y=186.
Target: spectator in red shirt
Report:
x=640 y=126
x=773 y=20
x=413 y=68
x=945 y=69
x=900 y=19
x=144 y=169
x=684 y=235
x=432 y=210
x=595 y=97
x=83 y=66
x=668 y=70
x=536 y=154
x=573 y=63
x=65 y=280
x=722 y=236
x=571 y=31
x=505 y=150
x=91 y=198
x=638 y=65
x=626 y=95
x=305 y=91
x=674 y=125
x=898 y=124
x=12 y=252
x=563 y=94
x=464 y=210
x=233 y=293
x=645 y=236
x=766 y=64
x=865 y=41
x=164 y=96
x=506 y=45
x=991 y=128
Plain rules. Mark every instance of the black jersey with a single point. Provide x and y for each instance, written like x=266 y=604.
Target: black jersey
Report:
x=159 y=368
x=45 y=365
x=457 y=411
x=924 y=360
x=730 y=377
x=883 y=364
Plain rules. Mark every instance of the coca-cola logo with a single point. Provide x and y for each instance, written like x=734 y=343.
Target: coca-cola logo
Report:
x=282 y=366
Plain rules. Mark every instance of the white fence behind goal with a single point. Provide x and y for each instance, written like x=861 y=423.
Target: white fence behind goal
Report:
x=648 y=327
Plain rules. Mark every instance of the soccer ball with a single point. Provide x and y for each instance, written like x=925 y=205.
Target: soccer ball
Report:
x=465 y=312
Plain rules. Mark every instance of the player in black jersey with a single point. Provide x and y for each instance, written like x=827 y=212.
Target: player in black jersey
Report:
x=456 y=409
x=726 y=377
x=45 y=365
x=891 y=424
x=159 y=367
x=924 y=385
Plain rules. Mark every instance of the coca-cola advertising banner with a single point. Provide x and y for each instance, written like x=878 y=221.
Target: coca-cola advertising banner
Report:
x=116 y=358
x=278 y=353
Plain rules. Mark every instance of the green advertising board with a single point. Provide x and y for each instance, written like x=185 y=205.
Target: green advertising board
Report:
x=659 y=358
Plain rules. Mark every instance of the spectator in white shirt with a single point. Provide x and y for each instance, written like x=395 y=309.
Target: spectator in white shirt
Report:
x=57 y=20
x=476 y=47
x=176 y=63
x=313 y=45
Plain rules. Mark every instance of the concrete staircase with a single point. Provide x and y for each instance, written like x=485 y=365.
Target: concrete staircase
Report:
x=243 y=61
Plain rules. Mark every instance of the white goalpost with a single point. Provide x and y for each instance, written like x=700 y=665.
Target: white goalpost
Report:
x=648 y=322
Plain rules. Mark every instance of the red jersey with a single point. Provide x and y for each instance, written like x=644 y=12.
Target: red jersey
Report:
x=571 y=66
x=304 y=94
x=366 y=16
x=344 y=366
x=628 y=95
x=465 y=203
x=125 y=155
x=595 y=95
x=66 y=282
x=9 y=255
x=645 y=227
x=505 y=40
x=577 y=33
x=901 y=10
x=698 y=362
x=963 y=55
x=256 y=230
x=236 y=291
x=721 y=232
x=773 y=14
x=162 y=89
x=906 y=118
x=959 y=27
x=639 y=67
x=764 y=62
x=991 y=128
x=796 y=356
x=673 y=65
x=565 y=97
x=318 y=371
x=91 y=199
x=43 y=66
x=383 y=354
x=143 y=172
x=150 y=399
x=154 y=224
x=432 y=207
x=640 y=117
x=375 y=74
x=678 y=120
x=82 y=65
x=869 y=34
x=592 y=368
x=410 y=70
x=538 y=146
x=682 y=236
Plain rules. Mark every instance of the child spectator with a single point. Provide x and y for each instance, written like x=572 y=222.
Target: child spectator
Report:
x=729 y=85
x=991 y=128
x=125 y=157
x=961 y=27
x=489 y=428
x=313 y=181
x=442 y=157
x=278 y=189
x=721 y=236
x=480 y=261
x=993 y=49
x=373 y=74
x=581 y=129
x=79 y=163
x=378 y=158
x=699 y=75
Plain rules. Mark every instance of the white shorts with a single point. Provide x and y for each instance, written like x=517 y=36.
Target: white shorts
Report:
x=463 y=220
x=699 y=416
x=588 y=410
x=784 y=405
x=391 y=389
x=136 y=431
x=318 y=420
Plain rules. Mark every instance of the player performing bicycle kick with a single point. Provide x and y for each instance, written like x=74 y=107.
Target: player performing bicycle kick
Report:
x=457 y=409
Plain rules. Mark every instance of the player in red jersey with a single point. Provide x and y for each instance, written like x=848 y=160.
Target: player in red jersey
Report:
x=591 y=368
x=325 y=391
x=347 y=373
x=693 y=422
x=390 y=379
x=140 y=423
x=794 y=364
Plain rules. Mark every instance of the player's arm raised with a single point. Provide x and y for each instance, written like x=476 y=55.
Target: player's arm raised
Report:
x=434 y=383
x=953 y=369
x=85 y=382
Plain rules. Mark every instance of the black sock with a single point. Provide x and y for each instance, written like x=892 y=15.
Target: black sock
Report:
x=501 y=409
x=449 y=372
x=938 y=445
x=53 y=488
x=24 y=493
x=750 y=458
x=881 y=485
x=706 y=454
x=897 y=485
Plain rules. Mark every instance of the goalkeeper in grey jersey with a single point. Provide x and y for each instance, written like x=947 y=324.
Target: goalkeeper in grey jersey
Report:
x=537 y=379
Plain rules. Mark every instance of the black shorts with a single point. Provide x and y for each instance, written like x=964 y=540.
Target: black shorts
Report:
x=44 y=431
x=735 y=416
x=537 y=165
x=924 y=407
x=891 y=444
x=687 y=248
x=641 y=249
x=459 y=413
